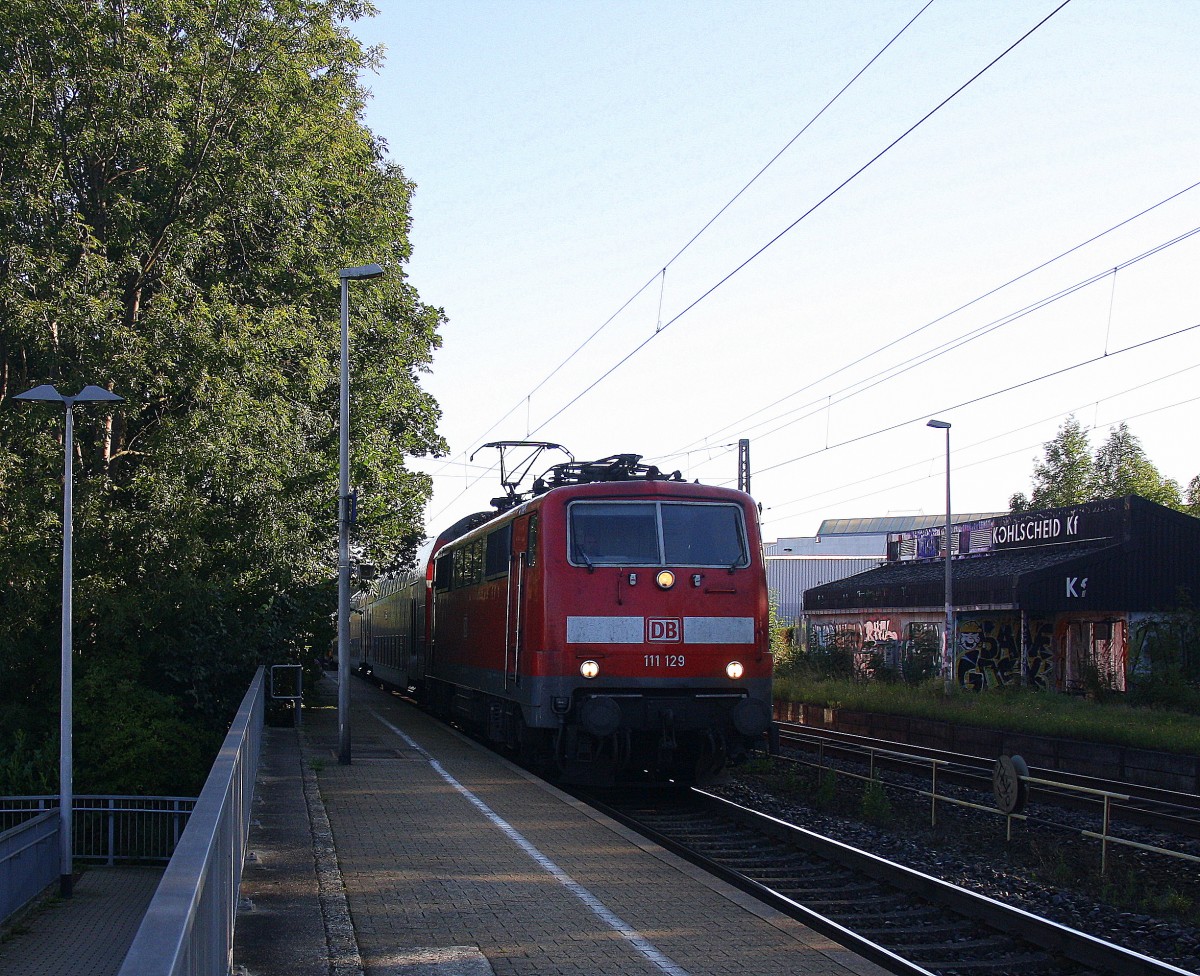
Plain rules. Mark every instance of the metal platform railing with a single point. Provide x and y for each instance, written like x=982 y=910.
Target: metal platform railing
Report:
x=188 y=928
x=112 y=829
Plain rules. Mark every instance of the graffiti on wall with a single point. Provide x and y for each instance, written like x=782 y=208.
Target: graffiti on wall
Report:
x=878 y=631
x=1165 y=644
x=828 y=636
x=909 y=648
x=852 y=635
x=987 y=652
x=1041 y=655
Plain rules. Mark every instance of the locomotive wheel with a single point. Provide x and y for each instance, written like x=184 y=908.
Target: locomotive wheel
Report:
x=535 y=747
x=711 y=764
x=583 y=760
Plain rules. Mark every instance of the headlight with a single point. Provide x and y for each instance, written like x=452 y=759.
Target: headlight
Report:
x=665 y=579
x=734 y=669
x=589 y=669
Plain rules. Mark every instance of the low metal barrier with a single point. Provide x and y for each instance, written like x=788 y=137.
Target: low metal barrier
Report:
x=1104 y=797
x=112 y=829
x=188 y=928
x=29 y=859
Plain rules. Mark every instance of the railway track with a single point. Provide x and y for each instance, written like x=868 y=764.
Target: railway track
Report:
x=904 y=920
x=1169 y=811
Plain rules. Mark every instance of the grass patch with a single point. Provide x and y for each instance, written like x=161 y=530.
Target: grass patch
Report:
x=1015 y=710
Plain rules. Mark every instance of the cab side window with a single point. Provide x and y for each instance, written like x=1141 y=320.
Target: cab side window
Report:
x=499 y=545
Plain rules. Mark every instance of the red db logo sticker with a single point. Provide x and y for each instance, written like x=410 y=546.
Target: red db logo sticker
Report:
x=664 y=630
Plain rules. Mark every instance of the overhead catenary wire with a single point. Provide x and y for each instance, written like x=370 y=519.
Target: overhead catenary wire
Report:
x=795 y=223
x=873 y=381
x=913 y=481
x=527 y=398
x=737 y=425
x=775 y=507
x=662 y=274
x=961 y=467
x=982 y=397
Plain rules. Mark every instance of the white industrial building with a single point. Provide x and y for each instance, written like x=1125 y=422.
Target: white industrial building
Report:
x=841 y=548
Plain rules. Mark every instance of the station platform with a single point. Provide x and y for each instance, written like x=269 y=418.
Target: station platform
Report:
x=429 y=855
x=87 y=934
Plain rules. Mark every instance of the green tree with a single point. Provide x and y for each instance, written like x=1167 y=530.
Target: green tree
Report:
x=1069 y=474
x=1064 y=475
x=183 y=179
x=1191 y=503
x=1121 y=467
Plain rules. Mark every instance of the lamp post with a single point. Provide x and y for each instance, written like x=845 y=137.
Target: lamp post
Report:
x=66 y=799
x=343 y=613
x=948 y=638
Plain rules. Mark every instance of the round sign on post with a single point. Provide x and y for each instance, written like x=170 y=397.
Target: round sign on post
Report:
x=1008 y=785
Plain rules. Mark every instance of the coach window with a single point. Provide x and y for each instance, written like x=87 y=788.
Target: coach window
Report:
x=442 y=571
x=499 y=545
x=468 y=563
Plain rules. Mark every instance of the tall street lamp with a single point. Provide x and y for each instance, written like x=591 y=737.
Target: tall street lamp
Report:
x=343 y=620
x=948 y=637
x=66 y=799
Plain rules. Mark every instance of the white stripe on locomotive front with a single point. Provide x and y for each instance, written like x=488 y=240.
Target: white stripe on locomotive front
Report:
x=632 y=630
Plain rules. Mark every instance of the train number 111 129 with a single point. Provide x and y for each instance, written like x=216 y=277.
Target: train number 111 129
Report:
x=661 y=660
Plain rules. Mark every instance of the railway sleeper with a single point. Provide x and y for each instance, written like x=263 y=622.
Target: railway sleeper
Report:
x=1026 y=963
x=923 y=919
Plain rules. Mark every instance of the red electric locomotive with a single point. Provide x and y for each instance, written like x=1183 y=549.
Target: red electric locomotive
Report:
x=613 y=622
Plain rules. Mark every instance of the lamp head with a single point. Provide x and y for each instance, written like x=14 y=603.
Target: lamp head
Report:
x=43 y=392
x=97 y=394
x=939 y=424
x=89 y=394
x=363 y=271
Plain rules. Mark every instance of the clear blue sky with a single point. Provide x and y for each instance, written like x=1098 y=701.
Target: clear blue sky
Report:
x=564 y=153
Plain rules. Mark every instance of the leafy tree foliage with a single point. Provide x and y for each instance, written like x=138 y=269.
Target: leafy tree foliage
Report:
x=1191 y=503
x=1070 y=474
x=183 y=180
x=1064 y=476
x=1122 y=468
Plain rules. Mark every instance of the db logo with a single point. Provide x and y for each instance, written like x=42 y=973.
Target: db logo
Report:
x=664 y=630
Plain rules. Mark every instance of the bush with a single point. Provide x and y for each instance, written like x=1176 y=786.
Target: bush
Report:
x=826 y=793
x=27 y=769
x=131 y=740
x=876 y=807
x=1163 y=691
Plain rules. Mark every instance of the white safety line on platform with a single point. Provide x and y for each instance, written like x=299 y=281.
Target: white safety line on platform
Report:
x=598 y=908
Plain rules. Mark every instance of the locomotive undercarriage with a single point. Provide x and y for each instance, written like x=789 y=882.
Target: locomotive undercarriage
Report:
x=599 y=739
x=684 y=737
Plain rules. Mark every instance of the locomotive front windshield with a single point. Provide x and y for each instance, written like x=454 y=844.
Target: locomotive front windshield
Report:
x=657 y=534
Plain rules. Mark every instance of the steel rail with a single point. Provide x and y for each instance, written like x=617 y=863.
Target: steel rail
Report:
x=1075 y=945
x=1051 y=937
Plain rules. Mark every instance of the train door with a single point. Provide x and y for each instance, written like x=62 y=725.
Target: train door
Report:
x=521 y=557
x=413 y=642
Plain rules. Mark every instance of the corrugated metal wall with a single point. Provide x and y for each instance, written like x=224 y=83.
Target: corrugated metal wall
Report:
x=789 y=576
